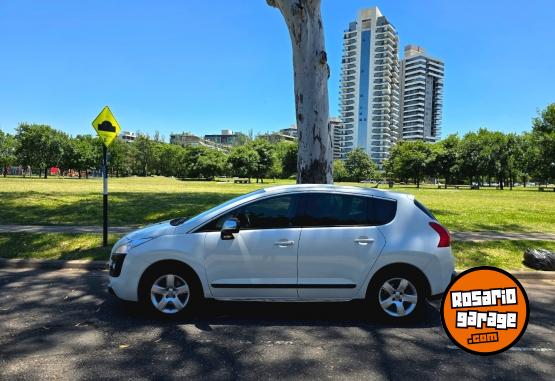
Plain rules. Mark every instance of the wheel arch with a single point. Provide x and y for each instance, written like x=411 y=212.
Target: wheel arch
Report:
x=170 y=263
x=397 y=267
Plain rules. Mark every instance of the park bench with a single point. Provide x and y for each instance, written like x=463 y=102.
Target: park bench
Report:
x=241 y=181
x=439 y=186
x=545 y=187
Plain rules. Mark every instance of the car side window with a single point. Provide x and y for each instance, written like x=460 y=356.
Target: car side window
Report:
x=381 y=211
x=328 y=209
x=271 y=213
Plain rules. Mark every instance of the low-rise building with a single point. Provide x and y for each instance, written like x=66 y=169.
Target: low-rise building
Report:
x=291 y=131
x=127 y=136
x=227 y=137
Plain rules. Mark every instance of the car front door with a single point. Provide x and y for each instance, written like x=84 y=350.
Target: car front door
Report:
x=338 y=245
x=261 y=259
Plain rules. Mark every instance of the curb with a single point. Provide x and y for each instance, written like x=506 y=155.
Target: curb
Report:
x=103 y=265
x=53 y=264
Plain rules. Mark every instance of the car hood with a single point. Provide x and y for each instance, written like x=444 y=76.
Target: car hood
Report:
x=152 y=231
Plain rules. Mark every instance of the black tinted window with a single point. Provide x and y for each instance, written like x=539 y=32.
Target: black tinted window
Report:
x=381 y=211
x=424 y=209
x=275 y=212
x=334 y=210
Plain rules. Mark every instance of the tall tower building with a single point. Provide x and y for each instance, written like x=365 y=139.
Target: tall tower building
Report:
x=369 y=91
x=421 y=95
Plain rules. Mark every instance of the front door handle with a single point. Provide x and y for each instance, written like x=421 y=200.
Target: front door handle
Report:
x=284 y=243
x=363 y=240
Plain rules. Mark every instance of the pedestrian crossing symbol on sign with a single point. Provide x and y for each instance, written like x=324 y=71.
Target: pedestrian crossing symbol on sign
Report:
x=106 y=126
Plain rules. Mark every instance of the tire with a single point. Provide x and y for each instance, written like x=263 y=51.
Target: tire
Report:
x=397 y=294
x=170 y=291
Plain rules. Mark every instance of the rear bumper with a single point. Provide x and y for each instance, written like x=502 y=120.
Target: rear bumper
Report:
x=440 y=295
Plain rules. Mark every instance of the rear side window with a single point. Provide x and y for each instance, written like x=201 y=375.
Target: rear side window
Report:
x=324 y=209
x=381 y=211
x=424 y=209
x=327 y=209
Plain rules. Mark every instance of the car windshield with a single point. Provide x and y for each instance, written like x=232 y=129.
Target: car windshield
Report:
x=200 y=216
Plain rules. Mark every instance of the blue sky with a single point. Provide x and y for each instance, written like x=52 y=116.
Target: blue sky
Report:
x=202 y=66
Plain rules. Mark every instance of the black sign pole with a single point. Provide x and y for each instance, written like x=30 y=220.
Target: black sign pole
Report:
x=105 y=197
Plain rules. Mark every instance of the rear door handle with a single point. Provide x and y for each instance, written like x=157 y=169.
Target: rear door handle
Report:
x=363 y=241
x=284 y=243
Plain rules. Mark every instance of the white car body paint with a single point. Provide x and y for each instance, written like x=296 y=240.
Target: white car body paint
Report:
x=344 y=256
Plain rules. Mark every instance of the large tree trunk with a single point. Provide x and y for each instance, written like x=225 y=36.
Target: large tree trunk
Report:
x=311 y=73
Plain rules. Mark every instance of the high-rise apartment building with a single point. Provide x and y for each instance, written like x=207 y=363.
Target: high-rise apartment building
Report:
x=369 y=95
x=421 y=95
x=336 y=132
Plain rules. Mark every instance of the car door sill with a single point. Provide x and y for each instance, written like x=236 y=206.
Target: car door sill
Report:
x=282 y=285
x=281 y=299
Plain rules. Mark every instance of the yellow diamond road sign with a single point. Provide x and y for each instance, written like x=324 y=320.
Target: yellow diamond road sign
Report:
x=106 y=126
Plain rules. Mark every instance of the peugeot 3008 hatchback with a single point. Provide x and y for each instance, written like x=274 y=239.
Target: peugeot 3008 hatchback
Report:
x=290 y=243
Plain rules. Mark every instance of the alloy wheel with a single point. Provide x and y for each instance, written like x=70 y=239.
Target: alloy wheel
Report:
x=398 y=297
x=169 y=294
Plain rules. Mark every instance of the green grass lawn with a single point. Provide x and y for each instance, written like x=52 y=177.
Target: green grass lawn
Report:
x=137 y=201
x=55 y=246
x=504 y=254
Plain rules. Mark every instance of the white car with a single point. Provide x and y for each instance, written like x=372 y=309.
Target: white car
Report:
x=290 y=243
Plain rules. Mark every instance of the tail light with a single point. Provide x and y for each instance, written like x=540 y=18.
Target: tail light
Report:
x=444 y=237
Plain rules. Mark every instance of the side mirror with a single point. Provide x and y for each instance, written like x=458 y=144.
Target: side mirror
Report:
x=230 y=227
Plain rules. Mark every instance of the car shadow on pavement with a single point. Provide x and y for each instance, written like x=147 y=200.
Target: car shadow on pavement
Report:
x=64 y=325
x=339 y=314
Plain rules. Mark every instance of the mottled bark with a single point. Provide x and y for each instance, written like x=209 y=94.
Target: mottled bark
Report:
x=311 y=73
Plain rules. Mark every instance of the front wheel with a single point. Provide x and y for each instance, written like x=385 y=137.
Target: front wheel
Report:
x=397 y=295
x=169 y=291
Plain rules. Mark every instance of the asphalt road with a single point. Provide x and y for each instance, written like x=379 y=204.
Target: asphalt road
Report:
x=62 y=324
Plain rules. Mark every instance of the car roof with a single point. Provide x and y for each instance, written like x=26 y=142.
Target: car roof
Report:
x=334 y=189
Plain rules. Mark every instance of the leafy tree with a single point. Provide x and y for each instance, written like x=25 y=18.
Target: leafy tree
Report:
x=202 y=162
x=8 y=145
x=120 y=155
x=359 y=166
x=243 y=161
x=241 y=139
x=544 y=138
x=211 y=163
x=471 y=156
x=81 y=154
x=170 y=159
x=40 y=146
x=266 y=158
x=409 y=159
x=143 y=154
x=287 y=153
x=545 y=121
x=339 y=171
x=544 y=162
x=526 y=157
x=444 y=161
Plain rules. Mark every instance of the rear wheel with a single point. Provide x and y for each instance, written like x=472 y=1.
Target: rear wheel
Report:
x=397 y=294
x=169 y=291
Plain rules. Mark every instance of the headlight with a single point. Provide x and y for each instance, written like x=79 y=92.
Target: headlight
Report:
x=125 y=246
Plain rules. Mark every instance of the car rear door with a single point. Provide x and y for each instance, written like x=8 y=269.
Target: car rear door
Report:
x=261 y=260
x=338 y=245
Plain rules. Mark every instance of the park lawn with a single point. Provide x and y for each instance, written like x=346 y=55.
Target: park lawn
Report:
x=55 y=246
x=138 y=201
x=504 y=254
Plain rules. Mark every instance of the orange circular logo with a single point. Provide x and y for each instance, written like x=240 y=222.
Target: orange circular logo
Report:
x=485 y=310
